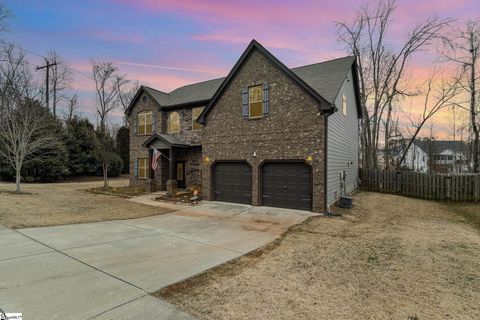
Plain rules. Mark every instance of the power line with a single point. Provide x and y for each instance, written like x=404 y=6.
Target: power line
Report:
x=47 y=66
x=44 y=57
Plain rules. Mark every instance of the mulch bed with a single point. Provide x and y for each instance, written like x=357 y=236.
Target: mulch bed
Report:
x=124 y=192
x=181 y=197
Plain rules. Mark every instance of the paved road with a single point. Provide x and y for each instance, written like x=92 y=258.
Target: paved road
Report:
x=106 y=270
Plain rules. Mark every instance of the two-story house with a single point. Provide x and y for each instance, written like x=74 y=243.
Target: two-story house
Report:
x=436 y=156
x=264 y=135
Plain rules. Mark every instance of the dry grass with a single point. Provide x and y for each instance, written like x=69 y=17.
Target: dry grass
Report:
x=65 y=203
x=120 y=191
x=390 y=257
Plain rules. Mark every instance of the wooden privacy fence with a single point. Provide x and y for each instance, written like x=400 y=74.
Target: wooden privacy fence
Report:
x=422 y=185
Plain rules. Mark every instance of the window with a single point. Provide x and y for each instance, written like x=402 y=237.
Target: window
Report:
x=344 y=104
x=144 y=123
x=143 y=168
x=173 y=125
x=195 y=114
x=255 y=107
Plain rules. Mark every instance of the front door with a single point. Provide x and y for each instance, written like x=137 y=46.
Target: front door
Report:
x=180 y=174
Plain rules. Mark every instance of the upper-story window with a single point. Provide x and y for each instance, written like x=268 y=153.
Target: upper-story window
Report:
x=173 y=124
x=195 y=114
x=145 y=122
x=344 y=104
x=255 y=108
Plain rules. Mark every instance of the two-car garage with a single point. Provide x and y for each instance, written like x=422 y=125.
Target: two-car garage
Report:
x=285 y=184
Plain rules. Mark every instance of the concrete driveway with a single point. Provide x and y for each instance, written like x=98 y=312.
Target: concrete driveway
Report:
x=106 y=270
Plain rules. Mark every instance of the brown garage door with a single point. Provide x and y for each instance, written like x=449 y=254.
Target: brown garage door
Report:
x=232 y=182
x=287 y=185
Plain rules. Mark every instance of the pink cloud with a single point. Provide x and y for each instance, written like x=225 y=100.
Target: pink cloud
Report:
x=110 y=36
x=284 y=12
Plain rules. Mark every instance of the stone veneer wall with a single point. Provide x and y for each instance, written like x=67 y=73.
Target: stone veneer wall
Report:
x=186 y=134
x=294 y=128
x=136 y=141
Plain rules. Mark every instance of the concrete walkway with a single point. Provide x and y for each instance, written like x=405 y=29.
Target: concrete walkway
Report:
x=106 y=270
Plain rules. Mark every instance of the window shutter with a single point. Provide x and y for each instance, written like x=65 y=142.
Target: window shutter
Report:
x=135 y=168
x=154 y=122
x=266 y=103
x=245 y=102
x=135 y=124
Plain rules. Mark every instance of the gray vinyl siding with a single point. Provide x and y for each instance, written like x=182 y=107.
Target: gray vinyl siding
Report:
x=342 y=144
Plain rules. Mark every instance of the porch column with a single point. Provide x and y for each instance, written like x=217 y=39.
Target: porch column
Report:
x=171 y=183
x=170 y=163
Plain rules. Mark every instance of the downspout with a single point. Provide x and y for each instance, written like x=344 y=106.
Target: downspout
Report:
x=325 y=170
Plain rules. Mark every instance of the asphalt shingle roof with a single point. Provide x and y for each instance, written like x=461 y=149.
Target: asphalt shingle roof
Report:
x=442 y=145
x=326 y=78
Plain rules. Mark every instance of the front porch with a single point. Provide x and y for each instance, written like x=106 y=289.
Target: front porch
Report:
x=178 y=166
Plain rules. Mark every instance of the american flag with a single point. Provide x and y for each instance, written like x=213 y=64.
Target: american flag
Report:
x=155 y=156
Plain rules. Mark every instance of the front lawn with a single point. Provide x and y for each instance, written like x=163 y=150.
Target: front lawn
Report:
x=390 y=257
x=52 y=204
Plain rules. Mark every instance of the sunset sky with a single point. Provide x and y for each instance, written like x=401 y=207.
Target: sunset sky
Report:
x=167 y=44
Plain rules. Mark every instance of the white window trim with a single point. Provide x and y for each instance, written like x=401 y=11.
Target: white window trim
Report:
x=194 y=120
x=146 y=168
x=250 y=101
x=344 y=104
x=168 y=122
x=144 y=114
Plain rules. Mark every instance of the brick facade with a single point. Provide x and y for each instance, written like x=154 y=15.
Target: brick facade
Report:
x=294 y=129
x=191 y=156
x=144 y=103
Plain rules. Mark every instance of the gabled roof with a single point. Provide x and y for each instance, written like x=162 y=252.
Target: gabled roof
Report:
x=326 y=77
x=440 y=146
x=167 y=139
x=325 y=105
x=322 y=80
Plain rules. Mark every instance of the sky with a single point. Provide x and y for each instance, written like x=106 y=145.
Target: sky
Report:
x=167 y=44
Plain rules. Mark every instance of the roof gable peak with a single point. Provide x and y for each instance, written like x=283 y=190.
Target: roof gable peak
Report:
x=255 y=45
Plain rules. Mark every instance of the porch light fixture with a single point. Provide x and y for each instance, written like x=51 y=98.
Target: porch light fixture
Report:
x=254 y=153
x=309 y=159
x=206 y=159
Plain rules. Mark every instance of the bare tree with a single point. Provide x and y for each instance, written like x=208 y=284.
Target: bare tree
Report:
x=25 y=130
x=25 y=135
x=463 y=49
x=107 y=83
x=5 y=15
x=15 y=77
x=440 y=93
x=60 y=79
x=126 y=94
x=72 y=107
x=382 y=70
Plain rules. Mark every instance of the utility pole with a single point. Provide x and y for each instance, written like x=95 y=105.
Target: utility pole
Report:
x=47 y=66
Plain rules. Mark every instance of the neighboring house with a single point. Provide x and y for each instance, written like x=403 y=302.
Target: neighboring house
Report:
x=416 y=158
x=264 y=135
x=426 y=155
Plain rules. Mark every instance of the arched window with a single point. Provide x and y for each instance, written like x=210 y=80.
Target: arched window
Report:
x=145 y=123
x=173 y=125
